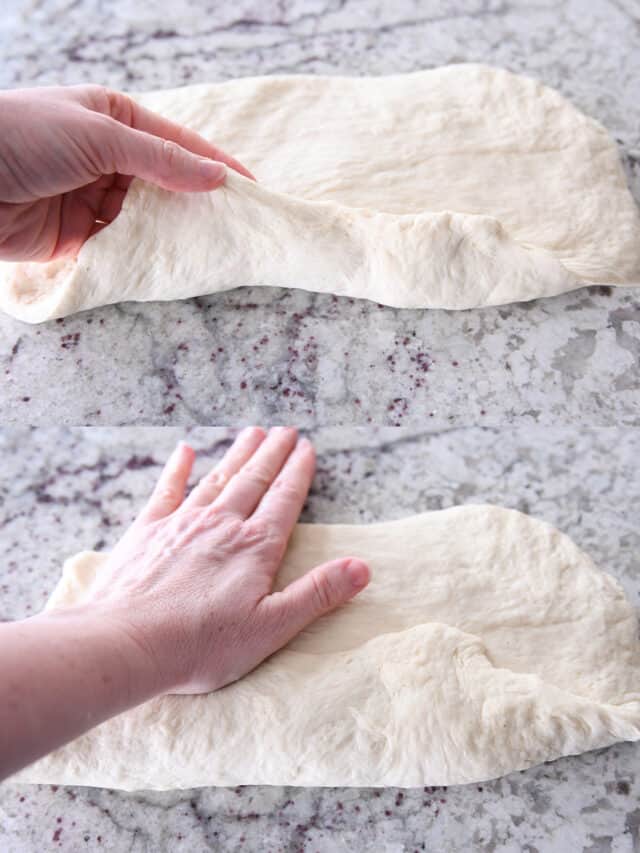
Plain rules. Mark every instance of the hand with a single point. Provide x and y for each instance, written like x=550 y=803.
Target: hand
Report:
x=183 y=604
x=67 y=157
x=191 y=581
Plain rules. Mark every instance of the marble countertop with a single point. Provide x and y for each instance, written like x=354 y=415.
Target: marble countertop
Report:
x=307 y=358
x=61 y=491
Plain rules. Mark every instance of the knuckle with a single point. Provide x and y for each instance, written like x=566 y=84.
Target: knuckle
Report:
x=97 y=94
x=170 y=153
x=257 y=528
x=230 y=526
x=265 y=533
x=212 y=512
x=107 y=101
x=217 y=479
x=167 y=494
x=258 y=476
x=210 y=486
x=322 y=592
x=287 y=490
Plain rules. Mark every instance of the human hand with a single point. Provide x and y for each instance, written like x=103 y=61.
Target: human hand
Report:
x=67 y=157
x=191 y=581
x=183 y=604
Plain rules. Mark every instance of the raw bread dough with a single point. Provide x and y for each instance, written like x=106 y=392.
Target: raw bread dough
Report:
x=485 y=643
x=452 y=188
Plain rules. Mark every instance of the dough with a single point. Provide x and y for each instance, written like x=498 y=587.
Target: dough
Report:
x=485 y=643
x=452 y=188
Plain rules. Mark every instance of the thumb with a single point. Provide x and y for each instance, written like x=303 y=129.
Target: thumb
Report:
x=163 y=162
x=306 y=599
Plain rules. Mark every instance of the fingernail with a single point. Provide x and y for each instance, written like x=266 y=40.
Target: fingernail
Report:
x=358 y=573
x=211 y=170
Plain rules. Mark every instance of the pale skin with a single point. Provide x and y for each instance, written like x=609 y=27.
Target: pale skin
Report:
x=68 y=155
x=185 y=603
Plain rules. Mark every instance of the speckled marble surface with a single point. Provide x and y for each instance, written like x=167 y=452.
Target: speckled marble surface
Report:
x=64 y=490
x=305 y=358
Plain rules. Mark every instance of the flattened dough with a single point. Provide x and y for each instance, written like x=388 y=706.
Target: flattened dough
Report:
x=485 y=643
x=452 y=188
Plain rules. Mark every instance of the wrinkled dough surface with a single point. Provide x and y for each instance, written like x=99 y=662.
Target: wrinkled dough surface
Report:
x=452 y=188
x=486 y=642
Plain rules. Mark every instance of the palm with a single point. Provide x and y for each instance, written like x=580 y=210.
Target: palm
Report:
x=65 y=221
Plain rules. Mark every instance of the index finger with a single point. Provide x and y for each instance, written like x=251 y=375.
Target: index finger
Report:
x=124 y=109
x=169 y=490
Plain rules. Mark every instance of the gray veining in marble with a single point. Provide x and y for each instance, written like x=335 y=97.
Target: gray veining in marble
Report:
x=305 y=358
x=64 y=490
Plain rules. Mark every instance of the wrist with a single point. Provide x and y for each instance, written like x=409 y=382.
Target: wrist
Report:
x=125 y=666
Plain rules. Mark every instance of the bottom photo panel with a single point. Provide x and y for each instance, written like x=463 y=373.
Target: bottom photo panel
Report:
x=318 y=640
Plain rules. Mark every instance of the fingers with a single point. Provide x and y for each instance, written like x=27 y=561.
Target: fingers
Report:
x=282 y=504
x=245 y=490
x=161 y=161
x=150 y=122
x=125 y=110
x=306 y=599
x=211 y=485
x=169 y=491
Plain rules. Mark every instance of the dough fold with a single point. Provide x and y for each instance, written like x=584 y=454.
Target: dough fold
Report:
x=454 y=188
x=486 y=642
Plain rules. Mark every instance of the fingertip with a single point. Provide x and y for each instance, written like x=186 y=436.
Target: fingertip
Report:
x=308 y=452
x=358 y=573
x=184 y=453
x=288 y=432
x=251 y=432
x=239 y=168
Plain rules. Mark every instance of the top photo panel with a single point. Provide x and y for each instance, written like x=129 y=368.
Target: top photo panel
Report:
x=315 y=212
